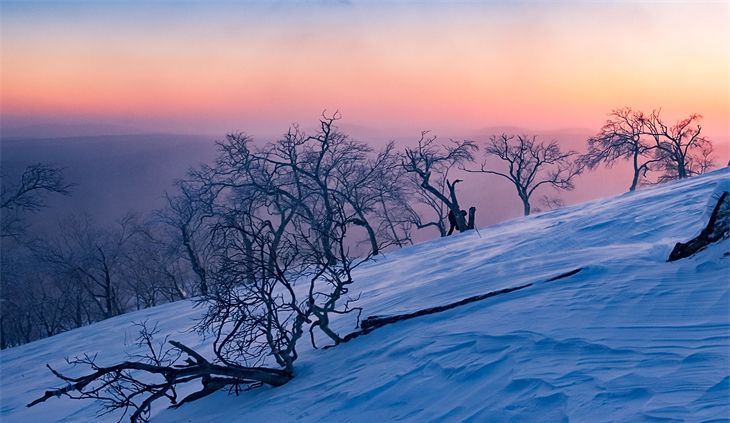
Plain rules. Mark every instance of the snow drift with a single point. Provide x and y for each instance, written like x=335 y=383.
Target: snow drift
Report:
x=630 y=337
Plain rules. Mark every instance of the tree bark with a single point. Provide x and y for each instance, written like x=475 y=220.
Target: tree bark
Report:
x=197 y=367
x=635 y=179
x=526 y=206
x=470 y=223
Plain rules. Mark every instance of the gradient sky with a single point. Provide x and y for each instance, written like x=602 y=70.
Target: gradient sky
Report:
x=210 y=67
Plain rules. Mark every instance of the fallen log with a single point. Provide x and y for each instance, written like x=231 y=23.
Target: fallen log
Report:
x=128 y=387
x=373 y=322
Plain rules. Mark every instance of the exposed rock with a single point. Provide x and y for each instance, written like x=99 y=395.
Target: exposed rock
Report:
x=718 y=227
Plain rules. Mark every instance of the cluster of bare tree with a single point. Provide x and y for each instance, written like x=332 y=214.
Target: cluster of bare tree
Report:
x=79 y=272
x=677 y=150
x=267 y=238
x=84 y=273
x=273 y=234
x=285 y=224
x=19 y=305
x=276 y=200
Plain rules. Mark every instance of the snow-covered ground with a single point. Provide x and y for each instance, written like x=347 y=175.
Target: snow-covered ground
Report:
x=630 y=338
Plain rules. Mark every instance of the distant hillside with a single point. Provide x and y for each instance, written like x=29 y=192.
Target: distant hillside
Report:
x=113 y=174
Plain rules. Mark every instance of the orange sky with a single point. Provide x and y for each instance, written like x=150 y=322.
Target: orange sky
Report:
x=214 y=67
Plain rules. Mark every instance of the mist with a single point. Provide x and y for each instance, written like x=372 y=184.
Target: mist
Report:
x=116 y=174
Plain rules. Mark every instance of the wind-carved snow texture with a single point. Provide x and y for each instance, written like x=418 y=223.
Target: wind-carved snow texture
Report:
x=631 y=337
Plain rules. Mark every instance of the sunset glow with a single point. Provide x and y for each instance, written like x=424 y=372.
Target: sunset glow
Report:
x=211 y=68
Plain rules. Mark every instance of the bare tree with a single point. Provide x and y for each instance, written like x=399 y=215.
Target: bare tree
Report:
x=394 y=193
x=39 y=299
x=28 y=195
x=186 y=215
x=622 y=137
x=152 y=269
x=681 y=148
x=81 y=273
x=374 y=187
x=34 y=303
x=530 y=164
x=92 y=255
x=132 y=386
x=280 y=228
x=430 y=164
x=436 y=210
x=18 y=299
x=547 y=202
x=286 y=211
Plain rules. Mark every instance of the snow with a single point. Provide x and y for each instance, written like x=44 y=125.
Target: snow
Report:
x=629 y=338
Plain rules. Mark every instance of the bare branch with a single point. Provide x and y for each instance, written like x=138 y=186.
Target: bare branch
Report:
x=530 y=164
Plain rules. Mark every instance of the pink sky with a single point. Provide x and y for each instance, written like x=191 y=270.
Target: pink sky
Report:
x=214 y=67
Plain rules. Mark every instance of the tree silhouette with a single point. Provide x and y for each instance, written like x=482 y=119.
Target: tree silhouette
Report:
x=531 y=164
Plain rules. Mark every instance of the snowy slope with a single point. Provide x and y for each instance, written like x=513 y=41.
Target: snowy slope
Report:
x=630 y=338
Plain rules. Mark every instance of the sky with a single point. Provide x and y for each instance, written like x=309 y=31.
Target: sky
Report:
x=213 y=67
